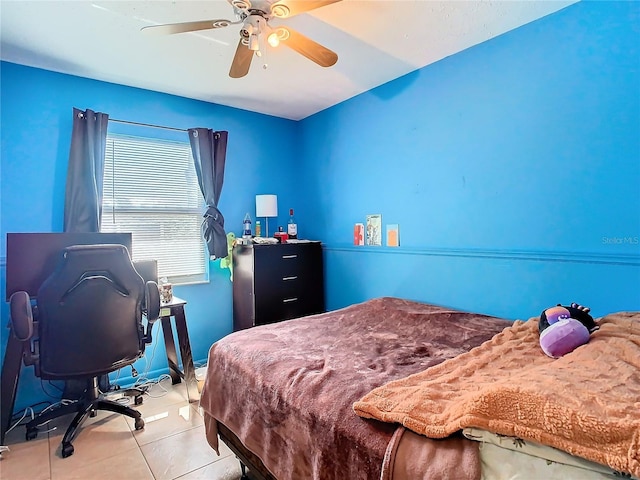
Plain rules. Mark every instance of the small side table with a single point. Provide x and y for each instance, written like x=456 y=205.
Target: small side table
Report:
x=175 y=309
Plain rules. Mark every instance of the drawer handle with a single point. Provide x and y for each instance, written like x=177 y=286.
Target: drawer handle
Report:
x=289 y=256
x=289 y=300
x=289 y=278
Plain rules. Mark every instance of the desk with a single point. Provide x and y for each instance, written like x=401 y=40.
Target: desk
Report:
x=9 y=382
x=175 y=309
x=13 y=361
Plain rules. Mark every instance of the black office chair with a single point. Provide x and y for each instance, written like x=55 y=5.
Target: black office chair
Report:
x=87 y=321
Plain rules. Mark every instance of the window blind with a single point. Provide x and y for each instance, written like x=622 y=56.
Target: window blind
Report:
x=151 y=190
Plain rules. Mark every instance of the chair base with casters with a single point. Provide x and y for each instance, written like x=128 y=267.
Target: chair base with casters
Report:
x=84 y=407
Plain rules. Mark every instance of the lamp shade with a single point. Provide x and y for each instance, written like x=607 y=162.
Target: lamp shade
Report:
x=266 y=205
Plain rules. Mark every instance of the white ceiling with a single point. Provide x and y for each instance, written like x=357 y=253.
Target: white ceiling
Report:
x=376 y=41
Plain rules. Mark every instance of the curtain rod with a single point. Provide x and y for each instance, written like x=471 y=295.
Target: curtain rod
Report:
x=147 y=125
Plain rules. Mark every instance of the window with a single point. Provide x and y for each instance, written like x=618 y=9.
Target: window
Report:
x=151 y=190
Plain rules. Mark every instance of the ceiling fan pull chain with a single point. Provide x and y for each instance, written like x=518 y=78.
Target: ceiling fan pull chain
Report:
x=264 y=50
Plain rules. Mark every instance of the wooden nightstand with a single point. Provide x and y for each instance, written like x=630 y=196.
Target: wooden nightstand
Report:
x=276 y=282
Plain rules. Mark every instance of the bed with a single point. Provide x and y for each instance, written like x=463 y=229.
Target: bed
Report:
x=305 y=398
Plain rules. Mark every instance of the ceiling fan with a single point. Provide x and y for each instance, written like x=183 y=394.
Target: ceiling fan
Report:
x=254 y=16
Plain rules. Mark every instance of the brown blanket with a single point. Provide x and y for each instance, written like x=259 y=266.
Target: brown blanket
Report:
x=586 y=403
x=286 y=390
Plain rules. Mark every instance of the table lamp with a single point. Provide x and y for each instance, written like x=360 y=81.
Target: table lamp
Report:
x=266 y=206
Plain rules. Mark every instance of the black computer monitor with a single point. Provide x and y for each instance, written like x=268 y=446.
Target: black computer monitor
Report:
x=147 y=269
x=32 y=257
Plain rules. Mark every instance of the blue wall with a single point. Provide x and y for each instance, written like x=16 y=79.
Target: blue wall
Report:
x=36 y=131
x=512 y=168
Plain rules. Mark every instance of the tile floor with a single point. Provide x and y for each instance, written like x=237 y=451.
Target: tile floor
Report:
x=171 y=446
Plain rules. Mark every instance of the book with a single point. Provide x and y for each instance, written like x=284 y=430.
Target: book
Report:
x=373 y=233
x=358 y=234
x=393 y=235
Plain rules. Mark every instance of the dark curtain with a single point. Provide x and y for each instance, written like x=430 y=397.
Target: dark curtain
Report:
x=209 y=150
x=83 y=195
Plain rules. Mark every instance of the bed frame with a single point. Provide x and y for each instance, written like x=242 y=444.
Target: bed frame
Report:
x=257 y=471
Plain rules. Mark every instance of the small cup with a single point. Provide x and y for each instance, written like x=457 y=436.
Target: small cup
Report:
x=166 y=292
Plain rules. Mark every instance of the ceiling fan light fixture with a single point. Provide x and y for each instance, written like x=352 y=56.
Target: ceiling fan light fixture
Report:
x=280 y=10
x=273 y=39
x=220 y=23
x=283 y=34
x=241 y=4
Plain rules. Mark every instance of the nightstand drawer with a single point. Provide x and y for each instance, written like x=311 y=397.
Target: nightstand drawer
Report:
x=286 y=280
x=284 y=261
x=288 y=302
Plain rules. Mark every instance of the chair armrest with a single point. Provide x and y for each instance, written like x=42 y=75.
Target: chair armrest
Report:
x=22 y=326
x=21 y=316
x=152 y=301
x=151 y=307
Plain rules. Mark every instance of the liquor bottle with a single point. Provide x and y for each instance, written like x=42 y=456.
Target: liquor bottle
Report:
x=258 y=229
x=246 y=226
x=292 y=226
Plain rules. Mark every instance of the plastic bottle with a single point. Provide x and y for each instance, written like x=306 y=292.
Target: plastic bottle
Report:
x=258 y=229
x=292 y=226
x=246 y=226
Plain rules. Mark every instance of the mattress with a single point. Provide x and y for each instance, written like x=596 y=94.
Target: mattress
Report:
x=509 y=458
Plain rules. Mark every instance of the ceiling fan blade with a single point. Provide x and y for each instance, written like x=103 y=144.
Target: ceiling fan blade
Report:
x=241 y=61
x=307 y=47
x=172 y=28
x=298 y=6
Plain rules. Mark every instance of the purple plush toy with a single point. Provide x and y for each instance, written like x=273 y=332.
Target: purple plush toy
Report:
x=563 y=329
